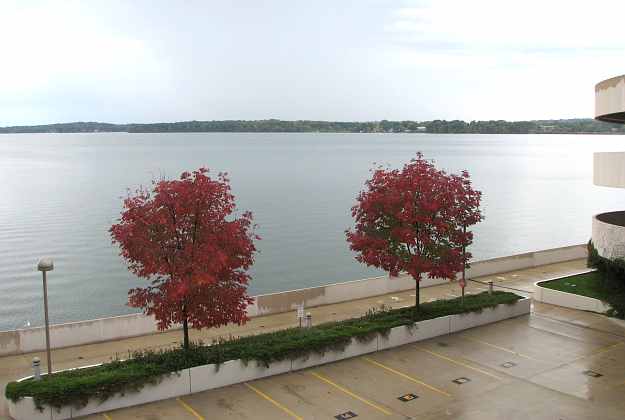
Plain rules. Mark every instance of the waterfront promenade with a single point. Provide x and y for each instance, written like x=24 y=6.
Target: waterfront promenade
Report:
x=565 y=337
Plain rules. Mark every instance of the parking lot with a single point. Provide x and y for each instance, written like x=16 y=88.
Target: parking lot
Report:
x=548 y=365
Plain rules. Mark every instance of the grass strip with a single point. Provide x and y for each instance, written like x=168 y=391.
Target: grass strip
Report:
x=586 y=284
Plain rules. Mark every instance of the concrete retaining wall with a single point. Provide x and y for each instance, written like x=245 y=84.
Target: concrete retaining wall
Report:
x=207 y=377
x=568 y=300
x=119 y=327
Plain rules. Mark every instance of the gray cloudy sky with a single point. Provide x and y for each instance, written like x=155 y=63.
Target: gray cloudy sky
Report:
x=145 y=61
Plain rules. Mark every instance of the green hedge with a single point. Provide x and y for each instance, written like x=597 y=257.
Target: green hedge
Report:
x=76 y=387
x=612 y=280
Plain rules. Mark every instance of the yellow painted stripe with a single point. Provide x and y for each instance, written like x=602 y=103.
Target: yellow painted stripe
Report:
x=274 y=402
x=410 y=378
x=190 y=409
x=106 y=416
x=351 y=394
x=604 y=349
x=599 y=351
x=459 y=363
x=525 y=356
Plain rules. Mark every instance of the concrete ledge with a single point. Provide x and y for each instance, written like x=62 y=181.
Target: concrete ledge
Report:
x=567 y=300
x=119 y=327
x=203 y=378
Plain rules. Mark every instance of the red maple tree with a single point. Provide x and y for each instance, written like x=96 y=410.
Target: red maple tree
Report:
x=183 y=238
x=414 y=220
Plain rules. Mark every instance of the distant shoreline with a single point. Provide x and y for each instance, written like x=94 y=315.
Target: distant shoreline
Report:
x=563 y=126
x=306 y=132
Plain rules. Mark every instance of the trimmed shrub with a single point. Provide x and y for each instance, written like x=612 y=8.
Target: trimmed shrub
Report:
x=613 y=280
x=77 y=387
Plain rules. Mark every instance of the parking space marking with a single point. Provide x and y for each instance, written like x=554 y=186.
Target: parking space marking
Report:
x=274 y=402
x=450 y=360
x=410 y=378
x=599 y=351
x=525 y=356
x=106 y=416
x=189 y=409
x=351 y=394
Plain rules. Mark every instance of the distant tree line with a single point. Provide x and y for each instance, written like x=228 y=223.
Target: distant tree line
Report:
x=581 y=125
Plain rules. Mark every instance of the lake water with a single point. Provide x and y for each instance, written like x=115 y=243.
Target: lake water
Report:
x=59 y=194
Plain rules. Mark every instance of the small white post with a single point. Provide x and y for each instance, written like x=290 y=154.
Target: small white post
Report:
x=300 y=314
x=37 y=369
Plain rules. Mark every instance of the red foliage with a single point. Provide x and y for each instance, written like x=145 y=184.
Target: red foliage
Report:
x=180 y=236
x=412 y=220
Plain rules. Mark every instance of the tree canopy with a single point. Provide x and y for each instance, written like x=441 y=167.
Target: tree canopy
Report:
x=414 y=220
x=183 y=238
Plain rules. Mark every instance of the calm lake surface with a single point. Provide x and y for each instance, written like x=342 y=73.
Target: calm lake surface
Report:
x=59 y=194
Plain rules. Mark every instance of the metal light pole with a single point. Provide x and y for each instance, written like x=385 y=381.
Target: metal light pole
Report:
x=45 y=265
x=464 y=262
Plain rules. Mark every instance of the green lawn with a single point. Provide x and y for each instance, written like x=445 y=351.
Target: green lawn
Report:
x=587 y=284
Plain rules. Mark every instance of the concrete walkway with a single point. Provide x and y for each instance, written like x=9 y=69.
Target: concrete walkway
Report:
x=13 y=367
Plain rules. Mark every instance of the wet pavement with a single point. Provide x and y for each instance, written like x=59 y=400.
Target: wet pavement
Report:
x=556 y=363
x=531 y=367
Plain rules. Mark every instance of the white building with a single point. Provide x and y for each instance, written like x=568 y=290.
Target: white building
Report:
x=608 y=229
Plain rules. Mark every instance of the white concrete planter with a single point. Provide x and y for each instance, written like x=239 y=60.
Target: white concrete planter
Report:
x=568 y=300
x=202 y=378
x=489 y=315
x=423 y=330
x=233 y=372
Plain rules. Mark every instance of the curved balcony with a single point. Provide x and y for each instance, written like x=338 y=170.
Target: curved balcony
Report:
x=609 y=169
x=608 y=234
x=608 y=229
x=610 y=100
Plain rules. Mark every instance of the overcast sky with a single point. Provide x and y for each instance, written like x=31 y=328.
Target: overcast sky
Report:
x=147 y=61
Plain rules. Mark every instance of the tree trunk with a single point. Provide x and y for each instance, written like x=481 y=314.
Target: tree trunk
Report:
x=185 y=328
x=417 y=298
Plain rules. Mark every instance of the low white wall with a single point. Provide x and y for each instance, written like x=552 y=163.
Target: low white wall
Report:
x=568 y=300
x=76 y=333
x=120 y=327
x=203 y=378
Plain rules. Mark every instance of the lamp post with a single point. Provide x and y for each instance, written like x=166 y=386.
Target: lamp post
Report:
x=463 y=282
x=45 y=265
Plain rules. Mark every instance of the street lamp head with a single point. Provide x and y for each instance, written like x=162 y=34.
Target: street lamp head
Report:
x=45 y=264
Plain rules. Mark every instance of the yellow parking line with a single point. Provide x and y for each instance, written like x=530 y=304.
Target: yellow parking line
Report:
x=274 y=402
x=525 y=356
x=351 y=394
x=190 y=409
x=599 y=351
x=106 y=416
x=450 y=360
x=410 y=378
